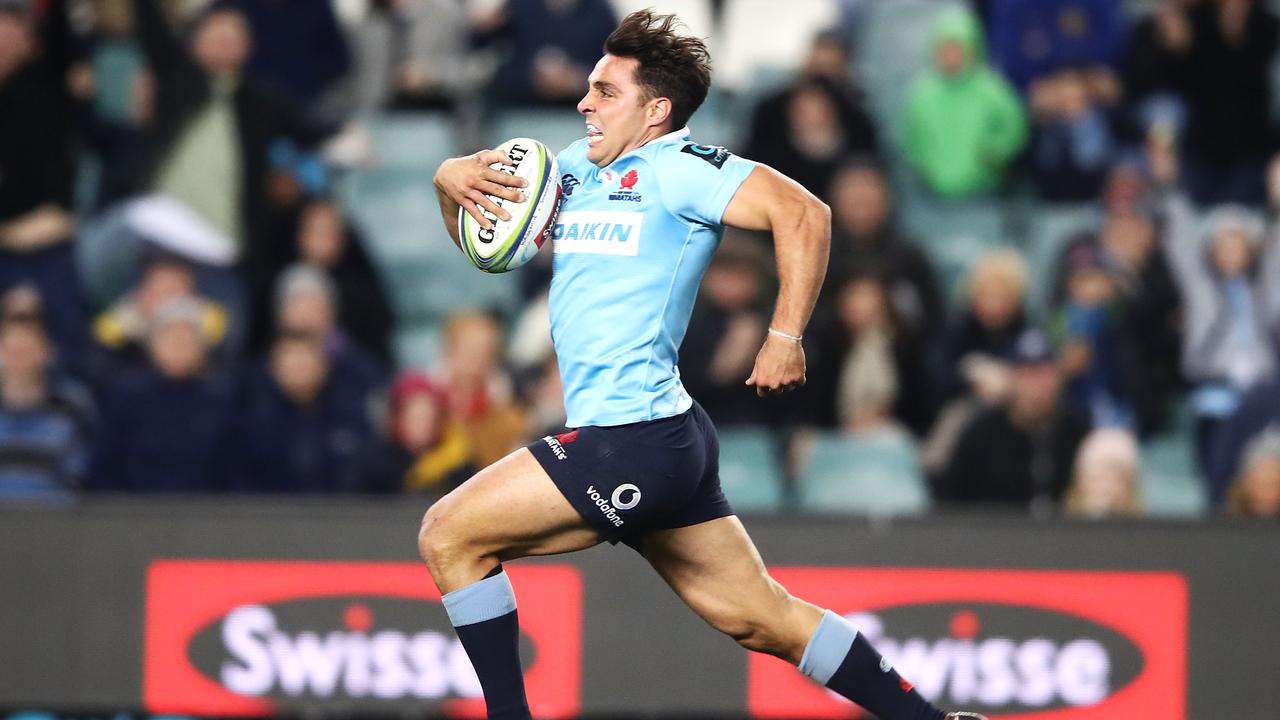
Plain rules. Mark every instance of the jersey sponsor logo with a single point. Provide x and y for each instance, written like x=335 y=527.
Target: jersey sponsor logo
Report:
x=620 y=491
x=604 y=232
x=266 y=638
x=1025 y=644
x=714 y=155
x=610 y=512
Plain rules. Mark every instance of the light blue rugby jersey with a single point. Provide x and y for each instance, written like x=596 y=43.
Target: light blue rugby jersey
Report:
x=631 y=244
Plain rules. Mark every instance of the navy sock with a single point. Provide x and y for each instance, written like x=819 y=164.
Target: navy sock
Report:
x=484 y=616
x=840 y=658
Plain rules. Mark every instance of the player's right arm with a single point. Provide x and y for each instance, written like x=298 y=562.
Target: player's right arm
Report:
x=464 y=182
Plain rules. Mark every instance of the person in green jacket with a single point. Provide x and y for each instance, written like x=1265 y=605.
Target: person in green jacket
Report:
x=964 y=121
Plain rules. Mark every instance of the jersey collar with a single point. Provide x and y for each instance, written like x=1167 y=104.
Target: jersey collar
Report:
x=681 y=135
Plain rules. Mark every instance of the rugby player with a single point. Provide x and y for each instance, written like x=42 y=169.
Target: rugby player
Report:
x=644 y=210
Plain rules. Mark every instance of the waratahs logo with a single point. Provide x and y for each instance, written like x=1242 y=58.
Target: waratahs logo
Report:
x=627 y=184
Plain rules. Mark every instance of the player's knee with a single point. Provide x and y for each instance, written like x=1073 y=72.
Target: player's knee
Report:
x=438 y=541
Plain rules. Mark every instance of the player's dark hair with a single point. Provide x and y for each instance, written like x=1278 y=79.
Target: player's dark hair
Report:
x=674 y=66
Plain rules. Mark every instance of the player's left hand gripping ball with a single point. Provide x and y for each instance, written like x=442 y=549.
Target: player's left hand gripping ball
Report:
x=508 y=244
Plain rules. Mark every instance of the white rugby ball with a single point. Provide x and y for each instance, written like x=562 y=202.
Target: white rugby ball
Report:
x=508 y=244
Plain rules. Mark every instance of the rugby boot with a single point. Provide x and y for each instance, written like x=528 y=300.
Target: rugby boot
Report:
x=965 y=716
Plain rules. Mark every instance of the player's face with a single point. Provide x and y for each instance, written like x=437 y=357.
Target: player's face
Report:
x=619 y=116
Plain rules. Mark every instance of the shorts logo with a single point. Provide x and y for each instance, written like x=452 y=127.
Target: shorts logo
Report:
x=715 y=156
x=557 y=448
x=602 y=232
x=610 y=512
x=619 y=503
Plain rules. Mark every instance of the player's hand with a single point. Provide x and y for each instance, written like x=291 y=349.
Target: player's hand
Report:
x=469 y=180
x=779 y=366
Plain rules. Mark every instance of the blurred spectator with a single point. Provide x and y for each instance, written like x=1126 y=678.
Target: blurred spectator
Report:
x=1256 y=491
x=306 y=304
x=1033 y=38
x=725 y=332
x=1096 y=354
x=1073 y=142
x=304 y=425
x=1021 y=452
x=297 y=46
x=167 y=427
x=478 y=388
x=549 y=48
x=544 y=401
x=209 y=140
x=1155 y=55
x=327 y=242
x=1227 y=272
x=121 y=331
x=414 y=54
x=1129 y=249
x=1226 y=81
x=805 y=130
x=1105 y=482
x=989 y=325
x=423 y=449
x=46 y=422
x=975 y=374
x=36 y=225
x=964 y=123
x=864 y=232
x=1259 y=409
x=868 y=366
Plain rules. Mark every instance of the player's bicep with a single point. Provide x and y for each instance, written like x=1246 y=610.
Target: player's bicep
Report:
x=758 y=199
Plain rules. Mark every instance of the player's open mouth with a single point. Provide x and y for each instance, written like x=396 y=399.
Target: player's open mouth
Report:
x=594 y=135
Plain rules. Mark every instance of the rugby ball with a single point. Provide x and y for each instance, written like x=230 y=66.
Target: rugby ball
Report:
x=508 y=244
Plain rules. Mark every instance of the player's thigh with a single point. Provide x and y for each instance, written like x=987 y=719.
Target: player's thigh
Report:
x=715 y=568
x=510 y=509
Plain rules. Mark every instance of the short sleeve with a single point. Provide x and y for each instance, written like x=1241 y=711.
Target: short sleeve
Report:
x=699 y=181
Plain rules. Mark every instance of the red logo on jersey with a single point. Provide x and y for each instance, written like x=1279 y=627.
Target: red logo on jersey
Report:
x=566 y=438
x=630 y=179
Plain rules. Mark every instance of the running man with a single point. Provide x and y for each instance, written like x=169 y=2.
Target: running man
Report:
x=644 y=210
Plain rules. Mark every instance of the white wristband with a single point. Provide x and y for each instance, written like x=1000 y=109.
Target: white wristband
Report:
x=781 y=334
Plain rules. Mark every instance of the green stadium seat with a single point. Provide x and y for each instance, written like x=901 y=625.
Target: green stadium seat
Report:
x=1171 y=487
x=954 y=234
x=749 y=469
x=414 y=140
x=557 y=129
x=877 y=474
x=894 y=46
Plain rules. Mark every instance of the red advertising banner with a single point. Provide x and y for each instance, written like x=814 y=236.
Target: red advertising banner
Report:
x=1017 y=645
x=247 y=638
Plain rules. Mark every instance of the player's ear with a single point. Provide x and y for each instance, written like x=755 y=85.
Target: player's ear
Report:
x=658 y=111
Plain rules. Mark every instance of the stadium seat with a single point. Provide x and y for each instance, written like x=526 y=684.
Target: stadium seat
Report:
x=877 y=474
x=756 y=33
x=414 y=140
x=1171 y=486
x=557 y=129
x=954 y=234
x=749 y=470
x=893 y=48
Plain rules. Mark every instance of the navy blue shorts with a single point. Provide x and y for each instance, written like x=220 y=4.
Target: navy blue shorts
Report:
x=627 y=480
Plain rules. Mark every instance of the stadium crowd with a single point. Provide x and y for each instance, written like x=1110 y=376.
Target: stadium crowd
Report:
x=195 y=311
